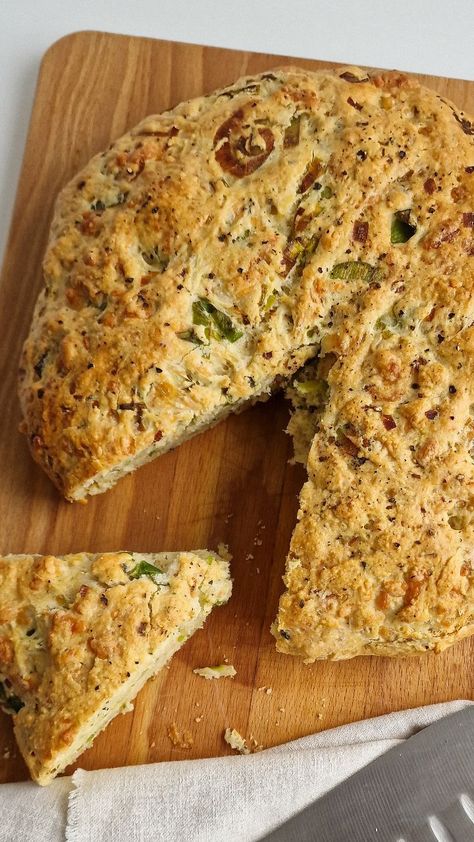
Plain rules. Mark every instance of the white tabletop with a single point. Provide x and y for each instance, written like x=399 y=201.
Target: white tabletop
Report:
x=429 y=36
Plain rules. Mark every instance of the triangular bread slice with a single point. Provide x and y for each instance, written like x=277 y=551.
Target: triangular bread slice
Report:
x=81 y=634
x=199 y=261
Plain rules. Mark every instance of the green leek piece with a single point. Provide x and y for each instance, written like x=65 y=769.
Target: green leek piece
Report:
x=355 y=270
x=219 y=324
x=292 y=132
x=271 y=300
x=144 y=568
x=190 y=336
x=315 y=391
x=326 y=192
x=402 y=230
x=156 y=259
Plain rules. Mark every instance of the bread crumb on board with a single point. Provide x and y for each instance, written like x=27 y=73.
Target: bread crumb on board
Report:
x=237 y=742
x=223 y=551
x=180 y=739
x=221 y=671
x=255 y=745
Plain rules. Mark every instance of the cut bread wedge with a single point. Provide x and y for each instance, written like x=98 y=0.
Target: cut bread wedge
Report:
x=381 y=561
x=81 y=634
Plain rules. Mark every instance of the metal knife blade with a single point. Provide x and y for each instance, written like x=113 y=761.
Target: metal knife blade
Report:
x=422 y=791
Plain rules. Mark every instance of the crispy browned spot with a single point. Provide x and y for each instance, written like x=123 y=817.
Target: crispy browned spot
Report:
x=383 y=600
x=466 y=125
x=347 y=445
x=445 y=234
x=351 y=77
x=312 y=171
x=430 y=185
x=413 y=588
x=172 y=132
x=354 y=104
x=360 y=231
x=6 y=650
x=388 y=422
x=234 y=142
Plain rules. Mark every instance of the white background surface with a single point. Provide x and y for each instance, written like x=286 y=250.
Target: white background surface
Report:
x=430 y=36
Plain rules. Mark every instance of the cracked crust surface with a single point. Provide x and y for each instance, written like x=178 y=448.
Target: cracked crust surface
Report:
x=80 y=635
x=382 y=558
x=189 y=266
x=211 y=252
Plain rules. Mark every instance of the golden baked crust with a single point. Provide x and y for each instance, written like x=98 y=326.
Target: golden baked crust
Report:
x=167 y=302
x=189 y=265
x=80 y=635
x=381 y=561
x=208 y=254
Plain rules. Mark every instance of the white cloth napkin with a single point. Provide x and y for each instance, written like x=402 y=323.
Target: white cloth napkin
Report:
x=238 y=798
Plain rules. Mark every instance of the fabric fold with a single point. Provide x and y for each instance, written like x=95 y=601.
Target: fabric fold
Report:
x=209 y=800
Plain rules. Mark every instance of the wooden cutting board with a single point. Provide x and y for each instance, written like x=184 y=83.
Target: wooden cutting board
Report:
x=231 y=484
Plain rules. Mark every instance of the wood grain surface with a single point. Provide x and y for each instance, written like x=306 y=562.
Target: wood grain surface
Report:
x=231 y=484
